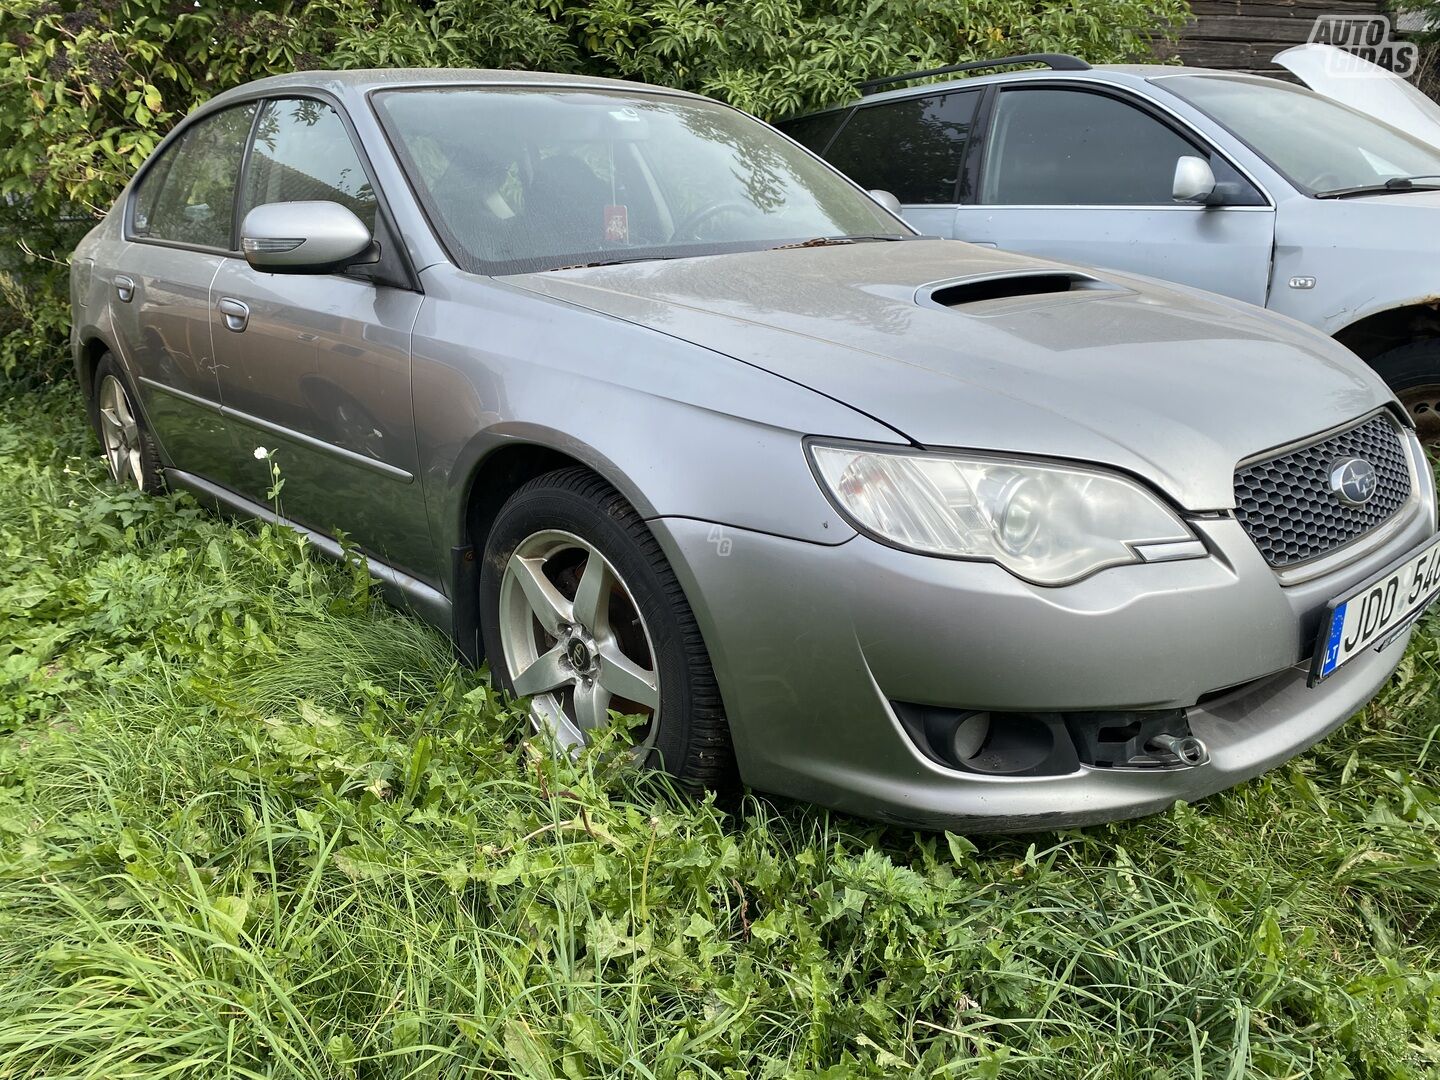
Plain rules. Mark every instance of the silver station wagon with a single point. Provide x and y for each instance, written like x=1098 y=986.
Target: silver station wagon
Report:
x=664 y=418
x=1248 y=186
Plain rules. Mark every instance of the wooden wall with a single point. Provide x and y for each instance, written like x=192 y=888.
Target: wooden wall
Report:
x=1242 y=35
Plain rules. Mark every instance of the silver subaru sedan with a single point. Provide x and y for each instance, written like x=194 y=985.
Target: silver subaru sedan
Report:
x=680 y=430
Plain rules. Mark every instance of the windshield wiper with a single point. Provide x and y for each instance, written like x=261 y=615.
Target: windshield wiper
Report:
x=1389 y=187
x=831 y=241
x=609 y=262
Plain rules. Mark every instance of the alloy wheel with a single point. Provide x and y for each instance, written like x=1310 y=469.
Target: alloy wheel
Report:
x=120 y=434
x=574 y=641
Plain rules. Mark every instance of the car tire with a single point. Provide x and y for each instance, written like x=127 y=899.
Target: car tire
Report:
x=1413 y=373
x=557 y=524
x=128 y=446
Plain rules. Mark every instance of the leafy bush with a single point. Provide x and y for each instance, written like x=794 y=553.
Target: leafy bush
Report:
x=88 y=89
x=254 y=825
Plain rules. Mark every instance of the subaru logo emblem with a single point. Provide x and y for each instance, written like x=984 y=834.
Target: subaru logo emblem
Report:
x=579 y=655
x=1353 y=480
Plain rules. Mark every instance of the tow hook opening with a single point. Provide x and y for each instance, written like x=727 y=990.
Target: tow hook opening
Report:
x=1187 y=749
x=1137 y=740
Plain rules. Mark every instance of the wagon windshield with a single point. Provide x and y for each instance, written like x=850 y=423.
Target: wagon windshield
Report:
x=516 y=181
x=1320 y=145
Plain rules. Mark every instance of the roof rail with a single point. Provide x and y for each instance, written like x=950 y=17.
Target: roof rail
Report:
x=1054 y=61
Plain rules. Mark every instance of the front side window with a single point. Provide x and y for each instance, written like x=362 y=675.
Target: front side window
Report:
x=523 y=180
x=303 y=152
x=1072 y=148
x=188 y=196
x=1318 y=144
x=911 y=148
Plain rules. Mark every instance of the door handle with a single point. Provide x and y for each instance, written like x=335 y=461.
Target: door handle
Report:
x=237 y=315
x=124 y=287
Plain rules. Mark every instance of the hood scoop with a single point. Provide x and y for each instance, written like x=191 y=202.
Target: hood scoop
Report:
x=1019 y=288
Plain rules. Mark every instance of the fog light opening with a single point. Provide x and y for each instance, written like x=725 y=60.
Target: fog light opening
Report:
x=991 y=743
x=969 y=736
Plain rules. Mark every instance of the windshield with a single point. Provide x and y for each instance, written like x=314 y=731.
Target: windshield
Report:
x=524 y=180
x=1319 y=145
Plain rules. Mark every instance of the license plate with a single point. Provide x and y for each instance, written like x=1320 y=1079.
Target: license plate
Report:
x=1378 y=610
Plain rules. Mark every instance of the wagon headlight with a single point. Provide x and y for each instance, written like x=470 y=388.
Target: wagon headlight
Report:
x=1049 y=524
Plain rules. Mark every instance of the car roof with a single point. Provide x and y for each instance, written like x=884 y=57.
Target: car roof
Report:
x=364 y=80
x=1127 y=74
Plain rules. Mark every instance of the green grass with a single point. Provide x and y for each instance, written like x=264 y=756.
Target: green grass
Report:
x=254 y=823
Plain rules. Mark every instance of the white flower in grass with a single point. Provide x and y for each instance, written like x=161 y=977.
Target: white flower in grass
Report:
x=261 y=453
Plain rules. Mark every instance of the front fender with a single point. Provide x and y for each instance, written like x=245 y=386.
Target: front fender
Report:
x=679 y=430
x=1365 y=257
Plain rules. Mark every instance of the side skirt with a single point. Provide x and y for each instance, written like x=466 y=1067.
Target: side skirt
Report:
x=398 y=587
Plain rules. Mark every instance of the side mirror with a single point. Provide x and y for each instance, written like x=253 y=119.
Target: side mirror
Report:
x=887 y=200
x=305 y=238
x=1194 y=181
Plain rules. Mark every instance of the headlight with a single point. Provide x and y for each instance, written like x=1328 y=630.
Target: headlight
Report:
x=1049 y=524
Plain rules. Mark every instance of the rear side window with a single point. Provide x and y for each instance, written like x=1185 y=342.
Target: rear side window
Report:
x=1070 y=147
x=813 y=132
x=910 y=148
x=302 y=153
x=188 y=196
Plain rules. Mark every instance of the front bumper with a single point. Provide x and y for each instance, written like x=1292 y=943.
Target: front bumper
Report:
x=811 y=644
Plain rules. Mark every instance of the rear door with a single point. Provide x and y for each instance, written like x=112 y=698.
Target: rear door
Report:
x=180 y=228
x=915 y=149
x=1085 y=174
x=315 y=368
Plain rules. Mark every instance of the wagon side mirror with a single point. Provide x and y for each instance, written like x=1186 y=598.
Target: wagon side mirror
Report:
x=305 y=238
x=1194 y=181
x=887 y=200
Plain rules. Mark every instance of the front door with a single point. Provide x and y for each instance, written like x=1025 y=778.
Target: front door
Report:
x=314 y=369
x=1086 y=176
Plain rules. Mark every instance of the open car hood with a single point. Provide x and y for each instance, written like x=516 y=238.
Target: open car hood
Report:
x=1352 y=81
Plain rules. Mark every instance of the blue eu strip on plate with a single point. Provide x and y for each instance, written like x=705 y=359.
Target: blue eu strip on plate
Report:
x=1332 y=646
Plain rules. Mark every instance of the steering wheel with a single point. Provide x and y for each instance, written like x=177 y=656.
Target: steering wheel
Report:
x=687 y=227
x=1326 y=182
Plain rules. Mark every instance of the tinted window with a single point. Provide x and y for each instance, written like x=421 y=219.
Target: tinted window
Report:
x=303 y=152
x=813 y=132
x=1068 y=147
x=188 y=196
x=521 y=180
x=910 y=148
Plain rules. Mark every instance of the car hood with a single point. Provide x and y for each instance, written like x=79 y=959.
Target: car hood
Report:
x=1164 y=382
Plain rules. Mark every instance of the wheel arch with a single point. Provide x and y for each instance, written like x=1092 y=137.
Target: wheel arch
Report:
x=497 y=475
x=1389 y=328
x=501 y=463
x=92 y=348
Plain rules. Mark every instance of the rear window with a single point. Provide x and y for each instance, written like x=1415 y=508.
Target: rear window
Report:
x=814 y=132
x=911 y=148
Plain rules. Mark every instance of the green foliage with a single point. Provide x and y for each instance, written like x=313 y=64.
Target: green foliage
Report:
x=253 y=824
x=88 y=89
